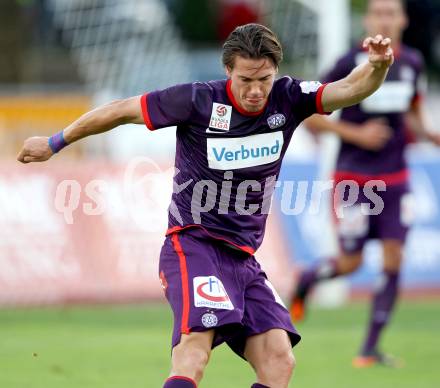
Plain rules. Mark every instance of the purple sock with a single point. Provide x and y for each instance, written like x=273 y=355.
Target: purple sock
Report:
x=383 y=302
x=180 y=382
x=326 y=269
x=258 y=385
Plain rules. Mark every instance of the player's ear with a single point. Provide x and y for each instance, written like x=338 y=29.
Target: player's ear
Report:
x=228 y=71
x=404 y=21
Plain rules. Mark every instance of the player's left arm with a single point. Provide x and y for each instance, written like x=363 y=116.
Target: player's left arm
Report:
x=419 y=123
x=364 y=80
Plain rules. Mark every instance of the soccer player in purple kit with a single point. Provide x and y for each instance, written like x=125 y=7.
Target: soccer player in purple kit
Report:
x=373 y=140
x=231 y=138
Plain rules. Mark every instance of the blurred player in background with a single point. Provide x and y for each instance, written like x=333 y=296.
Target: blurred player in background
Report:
x=373 y=139
x=231 y=134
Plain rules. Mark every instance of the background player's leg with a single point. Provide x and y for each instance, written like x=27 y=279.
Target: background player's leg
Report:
x=270 y=354
x=189 y=358
x=385 y=296
x=327 y=269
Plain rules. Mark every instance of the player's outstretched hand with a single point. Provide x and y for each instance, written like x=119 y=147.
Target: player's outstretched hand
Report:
x=35 y=149
x=373 y=135
x=380 y=53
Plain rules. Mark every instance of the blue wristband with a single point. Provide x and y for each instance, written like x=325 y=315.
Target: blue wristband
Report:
x=57 y=142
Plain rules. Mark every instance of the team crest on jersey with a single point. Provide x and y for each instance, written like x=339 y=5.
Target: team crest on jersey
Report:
x=277 y=120
x=210 y=292
x=220 y=117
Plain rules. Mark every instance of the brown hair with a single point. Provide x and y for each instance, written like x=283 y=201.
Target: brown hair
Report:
x=252 y=41
x=402 y=3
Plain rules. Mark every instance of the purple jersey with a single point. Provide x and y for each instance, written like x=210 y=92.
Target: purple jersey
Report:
x=227 y=159
x=390 y=102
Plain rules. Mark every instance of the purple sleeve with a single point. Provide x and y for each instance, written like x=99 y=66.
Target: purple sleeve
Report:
x=305 y=97
x=167 y=107
x=309 y=93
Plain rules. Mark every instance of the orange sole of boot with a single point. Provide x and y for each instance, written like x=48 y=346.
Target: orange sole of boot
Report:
x=297 y=311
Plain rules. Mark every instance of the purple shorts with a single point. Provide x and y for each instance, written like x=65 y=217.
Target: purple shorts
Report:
x=211 y=285
x=355 y=228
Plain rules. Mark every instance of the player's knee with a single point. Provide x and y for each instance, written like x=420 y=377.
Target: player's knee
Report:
x=349 y=264
x=355 y=265
x=392 y=257
x=393 y=264
x=190 y=362
x=197 y=360
x=290 y=362
x=278 y=365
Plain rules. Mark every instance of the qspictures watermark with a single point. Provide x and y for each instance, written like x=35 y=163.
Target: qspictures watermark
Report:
x=226 y=196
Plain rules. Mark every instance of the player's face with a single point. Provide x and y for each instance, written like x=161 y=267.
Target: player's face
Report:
x=252 y=81
x=385 y=17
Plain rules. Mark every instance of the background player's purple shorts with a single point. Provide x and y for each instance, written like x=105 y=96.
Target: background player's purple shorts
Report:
x=355 y=228
x=212 y=285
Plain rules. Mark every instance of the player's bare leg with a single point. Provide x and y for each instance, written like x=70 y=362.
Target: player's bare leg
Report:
x=270 y=354
x=343 y=265
x=189 y=358
x=384 y=300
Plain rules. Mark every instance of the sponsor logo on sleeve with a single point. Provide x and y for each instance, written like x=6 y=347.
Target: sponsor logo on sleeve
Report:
x=210 y=292
x=276 y=121
x=242 y=152
x=308 y=87
x=220 y=117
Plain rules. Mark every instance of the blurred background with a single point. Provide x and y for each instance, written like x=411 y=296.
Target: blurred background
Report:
x=87 y=226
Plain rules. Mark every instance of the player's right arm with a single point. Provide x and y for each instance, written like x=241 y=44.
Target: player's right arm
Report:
x=363 y=80
x=371 y=135
x=101 y=119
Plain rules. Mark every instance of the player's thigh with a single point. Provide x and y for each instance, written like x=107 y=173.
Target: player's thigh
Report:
x=263 y=311
x=353 y=228
x=268 y=348
x=392 y=255
x=393 y=222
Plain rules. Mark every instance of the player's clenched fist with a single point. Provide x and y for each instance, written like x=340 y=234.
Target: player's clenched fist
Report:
x=35 y=149
x=380 y=53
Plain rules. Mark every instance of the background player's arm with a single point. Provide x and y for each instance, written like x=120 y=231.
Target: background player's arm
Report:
x=420 y=125
x=364 y=80
x=101 y=119
x=371 y=135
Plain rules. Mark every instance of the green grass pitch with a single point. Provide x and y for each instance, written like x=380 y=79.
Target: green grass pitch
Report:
x=128 y=346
